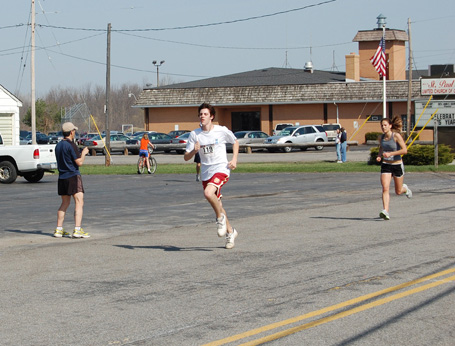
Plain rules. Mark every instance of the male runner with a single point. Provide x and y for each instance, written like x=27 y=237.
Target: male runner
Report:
x=209 y=140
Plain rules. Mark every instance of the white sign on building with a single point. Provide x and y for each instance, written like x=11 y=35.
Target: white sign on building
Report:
x=437 y=86
x=445 y=115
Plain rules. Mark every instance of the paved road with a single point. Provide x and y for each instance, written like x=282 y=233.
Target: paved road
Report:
x=310 y=248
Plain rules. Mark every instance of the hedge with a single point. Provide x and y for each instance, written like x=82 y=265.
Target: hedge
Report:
x=419 y=155
x=373 y=136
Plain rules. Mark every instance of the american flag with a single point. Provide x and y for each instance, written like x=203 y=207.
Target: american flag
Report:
x=378 y=59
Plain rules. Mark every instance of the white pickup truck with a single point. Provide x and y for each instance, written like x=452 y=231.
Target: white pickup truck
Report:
x=29 y=161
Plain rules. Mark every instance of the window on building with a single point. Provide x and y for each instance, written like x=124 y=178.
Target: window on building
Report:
x=375 y=118
x=404 y=119
x=246 y=121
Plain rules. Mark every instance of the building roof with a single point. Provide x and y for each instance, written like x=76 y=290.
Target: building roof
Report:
x=376 y=35
x=275 y=86
x=339 y=92
x=10 y=95
x=264 y=77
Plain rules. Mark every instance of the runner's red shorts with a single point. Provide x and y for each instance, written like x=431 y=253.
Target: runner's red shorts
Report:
x=218 y=180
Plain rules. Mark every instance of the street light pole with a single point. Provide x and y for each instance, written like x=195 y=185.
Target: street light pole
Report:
x=158 y=71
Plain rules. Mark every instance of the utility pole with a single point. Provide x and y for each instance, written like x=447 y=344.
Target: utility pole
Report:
x=32 y=71
x=107 y=157
x=435 y=143
x=408 y=114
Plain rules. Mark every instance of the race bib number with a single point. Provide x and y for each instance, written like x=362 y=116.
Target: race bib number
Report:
x=208 y=149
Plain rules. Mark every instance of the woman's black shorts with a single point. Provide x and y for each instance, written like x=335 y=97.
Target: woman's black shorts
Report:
x=396 y=170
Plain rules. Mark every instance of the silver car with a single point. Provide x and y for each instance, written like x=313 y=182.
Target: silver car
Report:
x=180 y=141
x=117 y=143
x=299 y=134
x=247 y=137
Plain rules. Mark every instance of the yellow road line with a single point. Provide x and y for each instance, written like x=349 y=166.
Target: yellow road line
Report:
x=346 y=313
x=325 y=310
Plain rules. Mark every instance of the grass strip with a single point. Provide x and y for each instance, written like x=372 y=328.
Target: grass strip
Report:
x=264 y=167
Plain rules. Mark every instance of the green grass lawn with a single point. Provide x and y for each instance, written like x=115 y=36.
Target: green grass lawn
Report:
x=274 y=167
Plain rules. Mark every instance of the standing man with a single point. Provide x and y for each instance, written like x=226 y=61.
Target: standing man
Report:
x=69 y=159
x=343 y=143
x=338 y=146
x=209 y=140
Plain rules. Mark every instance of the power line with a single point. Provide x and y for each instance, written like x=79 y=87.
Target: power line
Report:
x=431 y=19
x=123 y=67
x=198 y=25
x=232 y=47
x=13 y=26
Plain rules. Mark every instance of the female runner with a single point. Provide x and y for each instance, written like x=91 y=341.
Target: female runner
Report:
x=391 y=148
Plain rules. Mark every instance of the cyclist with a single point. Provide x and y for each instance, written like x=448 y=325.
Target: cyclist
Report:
x=143 y=151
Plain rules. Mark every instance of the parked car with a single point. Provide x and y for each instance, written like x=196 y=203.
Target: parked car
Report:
x=117 y=143
x=140 y=133
x=24 y=133
x=183 y=139
x=134 y=143
x=177 y=133
x=86 y=137
x=41 y=138
x=55 y=137
x=248 y=137
x=58 y=136
x=299 y=134
x=331 y=130
x=281 y=126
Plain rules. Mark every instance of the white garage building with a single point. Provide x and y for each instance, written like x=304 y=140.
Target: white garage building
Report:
x=9 y=117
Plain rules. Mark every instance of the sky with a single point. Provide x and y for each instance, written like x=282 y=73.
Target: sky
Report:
x=202 y=38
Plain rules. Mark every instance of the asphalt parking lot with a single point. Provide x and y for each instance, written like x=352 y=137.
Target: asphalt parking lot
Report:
x=313 y=263
x=355 y=153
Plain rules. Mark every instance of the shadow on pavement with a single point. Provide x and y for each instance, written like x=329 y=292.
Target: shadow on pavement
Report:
x=166 y=248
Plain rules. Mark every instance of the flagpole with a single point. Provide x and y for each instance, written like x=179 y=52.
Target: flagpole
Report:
x=384 y=77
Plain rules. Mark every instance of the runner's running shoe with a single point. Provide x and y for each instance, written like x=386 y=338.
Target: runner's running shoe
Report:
x=230 y=237
x=408 y=191
x=384 y=214
x=221 y=225
x=61 y=233
x=80 y=234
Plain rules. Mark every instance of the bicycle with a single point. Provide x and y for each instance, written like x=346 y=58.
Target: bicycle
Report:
x=142 y=164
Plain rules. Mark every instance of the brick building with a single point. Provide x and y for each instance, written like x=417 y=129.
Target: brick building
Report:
x=260 y=99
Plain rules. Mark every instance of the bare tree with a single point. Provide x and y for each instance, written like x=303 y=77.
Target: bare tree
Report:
x=94 y=97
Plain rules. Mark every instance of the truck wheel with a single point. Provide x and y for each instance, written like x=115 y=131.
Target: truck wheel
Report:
x=8 y=172
x=34 y=177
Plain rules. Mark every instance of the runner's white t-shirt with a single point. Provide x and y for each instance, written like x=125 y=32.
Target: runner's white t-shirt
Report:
x=213 y=149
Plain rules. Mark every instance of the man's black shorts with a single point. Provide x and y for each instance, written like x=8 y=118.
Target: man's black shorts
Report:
x=395 y=170
x=70 y=186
